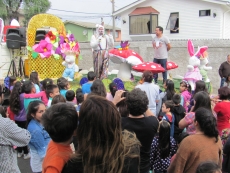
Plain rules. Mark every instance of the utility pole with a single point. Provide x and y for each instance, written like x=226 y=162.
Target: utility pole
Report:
x=113 y=9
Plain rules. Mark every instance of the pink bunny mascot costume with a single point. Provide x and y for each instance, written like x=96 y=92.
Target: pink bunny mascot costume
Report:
x=193 y=73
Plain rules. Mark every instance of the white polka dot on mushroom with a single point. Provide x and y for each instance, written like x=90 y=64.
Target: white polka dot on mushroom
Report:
x=143 y=65
x=153 y=66
x=169 y=64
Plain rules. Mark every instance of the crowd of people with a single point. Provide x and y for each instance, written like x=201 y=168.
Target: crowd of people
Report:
x=92 y=130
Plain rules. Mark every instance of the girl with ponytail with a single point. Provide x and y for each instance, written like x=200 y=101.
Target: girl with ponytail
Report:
x=204 y=145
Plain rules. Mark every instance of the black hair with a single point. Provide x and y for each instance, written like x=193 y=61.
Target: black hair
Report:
x=137 y=102
x=12 y=79
x=27 y=86
x=79 y=96
x=202 y=100
x=70 y=95
x=208 y=167
x=147 y=76
x=49 y=89
x=224 y=93
x=170 y=90
x=182 y=136
x=227 y=78
x=113 y=88
x=187 y=85
x=164 y=139
x=34 y=77
x=122 y=105
x=46 y=82
x=176 y=99
x=169 y=104
x=60 y=121
x=91 y=75
x=3 y=111
x=160 y=28
x=32 y=109
x=207 y=122
x=98 y=88
x=62 y=83
x=200 y=86
x=58 y=99
x=15 y=98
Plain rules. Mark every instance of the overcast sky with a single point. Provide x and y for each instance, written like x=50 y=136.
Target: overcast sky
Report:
x=104 y=7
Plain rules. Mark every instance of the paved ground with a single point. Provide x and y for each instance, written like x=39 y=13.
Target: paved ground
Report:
x=24 y=165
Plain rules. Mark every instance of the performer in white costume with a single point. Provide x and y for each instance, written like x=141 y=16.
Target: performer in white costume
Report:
x=100 y=44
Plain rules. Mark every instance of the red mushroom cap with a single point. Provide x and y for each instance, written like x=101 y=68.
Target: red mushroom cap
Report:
x=129 y=56
x=151 y=66
x=171 y=65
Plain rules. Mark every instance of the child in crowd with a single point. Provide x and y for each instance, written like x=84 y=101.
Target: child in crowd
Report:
x=35 y=79
x=227 y=81
x=60 y=121
x=185 y=90
x=63 y=85
x=51 y=92
x=179 y=113
x=113 y=89
x=167 y=107
x=70 y=97
x=46 y=82
x=13 y=80
x=58 y=99
x=39 y=137
x=79 y=98
x=208 y=167
x=86 y=87
x=28 y=88
x=162 y=149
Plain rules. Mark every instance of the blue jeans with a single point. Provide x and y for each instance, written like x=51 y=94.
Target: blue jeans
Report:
x=222 y=82
x=163 y=63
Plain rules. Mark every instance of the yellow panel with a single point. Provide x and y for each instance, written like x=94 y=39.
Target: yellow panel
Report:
x=47 y=67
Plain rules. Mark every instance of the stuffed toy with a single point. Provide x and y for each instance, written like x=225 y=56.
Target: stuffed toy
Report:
x=204 y=68
x=193 y=73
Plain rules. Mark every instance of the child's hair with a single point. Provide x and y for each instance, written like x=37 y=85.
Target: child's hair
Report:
x=58 y=99
x=62 y=83
x=49 y=89
x=227 y=78
x=169 y=104
x=79 y=96
x=70 y=95
x=3 y=111
x=32 y=109
x=12 y=79
x=148 y=76
x=60 y=121
x=15 y=98
x=208 y=167
x=186 y=84
x=182 y=136
x=46 y=82
x=98 y=88
x=122 y=105
x=164 y=139
x=224 y=93
x=170 y=90
x=202 y=100
x=91 y=75
x=176 y=99
x=27 y=86
x=34 y=77
x=113 y=88
x=200 y=86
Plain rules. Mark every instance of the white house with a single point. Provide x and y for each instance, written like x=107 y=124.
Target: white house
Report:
x=181 y=19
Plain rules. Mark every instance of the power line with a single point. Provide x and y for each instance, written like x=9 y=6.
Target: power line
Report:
x=78 y=12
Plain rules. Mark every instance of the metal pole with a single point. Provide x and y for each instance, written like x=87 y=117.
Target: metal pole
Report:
x=113 y=9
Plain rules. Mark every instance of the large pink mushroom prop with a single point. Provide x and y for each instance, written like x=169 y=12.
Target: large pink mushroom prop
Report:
x=126 y=59
x=151 y=66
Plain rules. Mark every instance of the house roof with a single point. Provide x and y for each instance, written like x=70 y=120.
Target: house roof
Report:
x=89 y=25
x=222 y=2
x=144 y=10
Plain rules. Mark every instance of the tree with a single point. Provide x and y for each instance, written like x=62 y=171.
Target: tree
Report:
x=33 y=7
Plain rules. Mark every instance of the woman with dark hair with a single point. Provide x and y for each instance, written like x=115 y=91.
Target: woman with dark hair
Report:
x=204 y=145
x=113 y=89
x=102 y=146
x=222 y=109
x=98 y=88
x=39 y=137
x=162 y=149
x=35 y=79
x=201 y=99
x=151 y=90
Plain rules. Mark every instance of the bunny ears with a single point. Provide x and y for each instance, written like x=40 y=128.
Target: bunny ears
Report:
x=199 y=52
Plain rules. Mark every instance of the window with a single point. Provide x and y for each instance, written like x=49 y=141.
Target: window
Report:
x=204 y=13
x=143 y=24
x=116 y=34
x=173 y=23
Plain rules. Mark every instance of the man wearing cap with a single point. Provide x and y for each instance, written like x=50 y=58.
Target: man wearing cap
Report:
x=224 y=70
x=100 y=44
x=161 y=46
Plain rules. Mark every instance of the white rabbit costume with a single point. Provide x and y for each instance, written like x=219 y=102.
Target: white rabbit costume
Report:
x=193 y=73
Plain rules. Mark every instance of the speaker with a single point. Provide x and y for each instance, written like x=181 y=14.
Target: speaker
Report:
x=22 y=32
x=40 y=35
x=13 y=38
